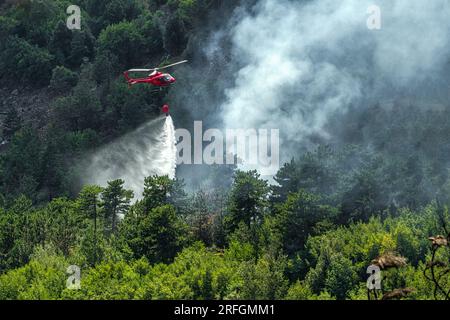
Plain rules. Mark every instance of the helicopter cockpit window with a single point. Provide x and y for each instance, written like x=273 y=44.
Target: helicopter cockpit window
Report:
x=166 y=78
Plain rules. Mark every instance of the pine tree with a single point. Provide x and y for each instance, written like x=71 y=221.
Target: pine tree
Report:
x=88 y=202
x=248 y=199
x=116 y=200
x=60 y=43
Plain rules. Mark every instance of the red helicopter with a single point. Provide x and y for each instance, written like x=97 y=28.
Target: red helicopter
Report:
x=155 y=78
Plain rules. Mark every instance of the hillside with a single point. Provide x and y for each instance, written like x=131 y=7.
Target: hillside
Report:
x=364 y=179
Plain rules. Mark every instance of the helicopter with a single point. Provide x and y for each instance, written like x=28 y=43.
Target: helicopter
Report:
x=155 y=78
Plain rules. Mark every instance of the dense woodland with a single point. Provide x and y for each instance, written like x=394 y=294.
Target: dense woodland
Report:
x=377 y=195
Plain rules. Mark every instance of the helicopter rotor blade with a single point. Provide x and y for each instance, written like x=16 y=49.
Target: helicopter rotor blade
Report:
x=171 y=65
x=156 y=69
x=141 y=70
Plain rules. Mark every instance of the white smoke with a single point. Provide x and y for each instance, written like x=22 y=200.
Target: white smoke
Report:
x=303 y=61
x=150 y=150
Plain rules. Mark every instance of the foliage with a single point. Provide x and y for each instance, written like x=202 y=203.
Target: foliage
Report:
x=22 y=61
x=63 y=79
x=115 y=201
x=310 y=235
x=248 y=200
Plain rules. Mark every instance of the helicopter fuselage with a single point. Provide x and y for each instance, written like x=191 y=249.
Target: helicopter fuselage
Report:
x=156 y=78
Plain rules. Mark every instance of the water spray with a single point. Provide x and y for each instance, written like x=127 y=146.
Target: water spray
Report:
x=149 y=150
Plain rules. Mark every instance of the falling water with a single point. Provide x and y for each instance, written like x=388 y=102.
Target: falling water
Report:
x=150 y=150
x=169 y=149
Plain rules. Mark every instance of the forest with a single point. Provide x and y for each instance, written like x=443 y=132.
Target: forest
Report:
x=333 y=211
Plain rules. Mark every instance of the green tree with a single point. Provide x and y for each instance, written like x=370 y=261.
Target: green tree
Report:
x=105 y=67
x=175 y=38
x=60 y=42
x=63 y=79
x=301 y=291
x=125 y=41
x=89 y=203
x=265 y=280
x=14 y=249
x=341 y=277
x=367 y=195
x=21 y=61
x=38 y=19
x=119 y=10
x=44 y=278
x=110 y=280
x=201 y=217
x=80 y=110
x=105 y=13
x=21 y=164
x=93 y=246
x=158 y=235
x=157 y=191
x=248 y=201
x=316 y=172
x=151 y=31
x=299 y=217
x=126 y=109
x=81 y=47
x=66 y=223
x=115 y=200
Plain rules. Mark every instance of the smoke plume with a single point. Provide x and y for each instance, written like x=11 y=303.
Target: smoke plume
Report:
x=295 y=64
